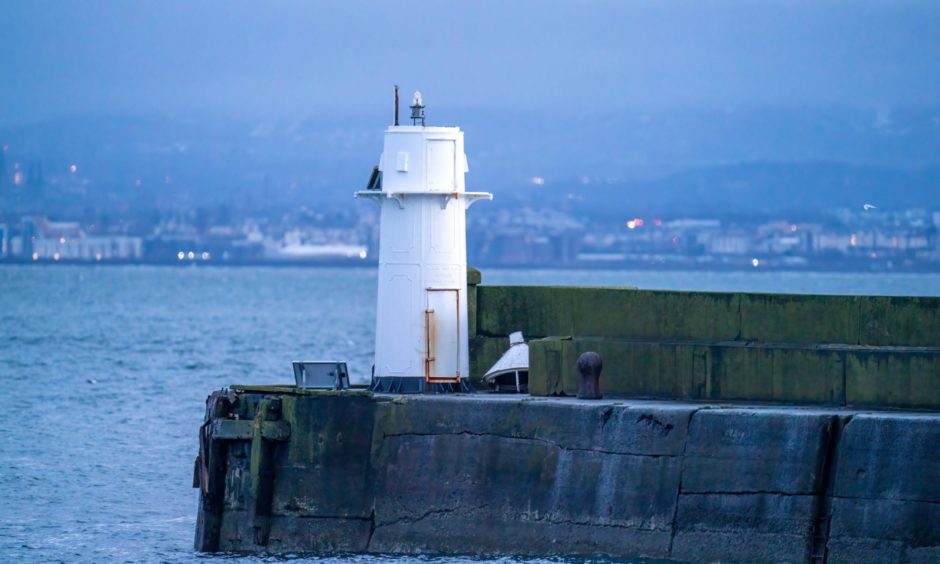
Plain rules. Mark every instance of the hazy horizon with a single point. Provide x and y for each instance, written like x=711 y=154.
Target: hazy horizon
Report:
x=243 y=60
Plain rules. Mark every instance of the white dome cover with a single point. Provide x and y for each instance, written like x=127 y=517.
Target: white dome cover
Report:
x=515 y=359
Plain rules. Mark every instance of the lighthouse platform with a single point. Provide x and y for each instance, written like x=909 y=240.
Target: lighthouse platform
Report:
x=734 y=427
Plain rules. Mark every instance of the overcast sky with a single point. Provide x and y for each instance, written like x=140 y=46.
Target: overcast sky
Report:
x=285 y=58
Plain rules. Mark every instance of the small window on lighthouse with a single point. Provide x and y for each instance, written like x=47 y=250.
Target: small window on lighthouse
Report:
x=402 y=162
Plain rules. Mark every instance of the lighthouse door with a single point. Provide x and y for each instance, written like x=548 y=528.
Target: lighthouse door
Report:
x=442 y=336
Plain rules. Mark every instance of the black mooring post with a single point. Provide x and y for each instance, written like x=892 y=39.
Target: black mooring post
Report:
x=590 y=366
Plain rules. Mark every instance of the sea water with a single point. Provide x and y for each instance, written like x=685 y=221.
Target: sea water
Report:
x=104 y=371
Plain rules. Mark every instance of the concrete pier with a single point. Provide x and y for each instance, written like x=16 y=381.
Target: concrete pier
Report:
x=519 y=475
x=735 y=427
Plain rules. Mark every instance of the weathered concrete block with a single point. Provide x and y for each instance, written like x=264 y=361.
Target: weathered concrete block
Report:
x=320 y=535
x=654 y=314
x=537 y=311
x=890 y=456
x=235 y=532
x=638 y=369
x=570 y=424
x=323 y=470
x=782 y=318
x=548 y=475
x=884 y=530
x=789 y=375
x=735 y=373
x=897 y=321
x=545 y=358
x=897 y=379
x=681 y=370
x=755 y=451
x=295 y=534
x=541 y=499
x=750 y=481
x=754 y=527
x=631 y=368
x=542 y=311
x=886 y=502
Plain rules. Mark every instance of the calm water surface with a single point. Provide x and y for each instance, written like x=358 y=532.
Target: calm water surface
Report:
x=105 y=371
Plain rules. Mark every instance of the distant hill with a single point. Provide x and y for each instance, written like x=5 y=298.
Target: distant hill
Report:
x=726 y=159
x=759 y=187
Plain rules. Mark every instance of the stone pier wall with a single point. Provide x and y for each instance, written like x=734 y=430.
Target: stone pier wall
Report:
x=862 y=351
x=539 y=476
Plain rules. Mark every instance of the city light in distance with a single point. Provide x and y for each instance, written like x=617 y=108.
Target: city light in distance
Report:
x=192 y=255
x=362 y=254
x=73 y=168
x=755 y=262
x=537 y=181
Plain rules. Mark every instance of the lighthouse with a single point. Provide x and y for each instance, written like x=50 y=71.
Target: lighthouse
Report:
x=421 y=329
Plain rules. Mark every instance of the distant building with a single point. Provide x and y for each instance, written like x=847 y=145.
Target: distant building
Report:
x=834 y=242
x=689 y=224
x=731 y=244
x=28 y=234
x=4 y=235
x=49 y=240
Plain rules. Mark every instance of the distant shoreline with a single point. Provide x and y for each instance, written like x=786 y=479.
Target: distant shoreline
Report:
x=861 y=267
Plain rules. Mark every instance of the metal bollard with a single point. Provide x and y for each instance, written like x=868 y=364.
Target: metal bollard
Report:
x=590 y=366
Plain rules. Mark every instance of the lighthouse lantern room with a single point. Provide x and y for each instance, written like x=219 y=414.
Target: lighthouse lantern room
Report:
x=421 y=340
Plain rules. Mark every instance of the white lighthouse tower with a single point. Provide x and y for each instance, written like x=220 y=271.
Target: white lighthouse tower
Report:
x=421 y=341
